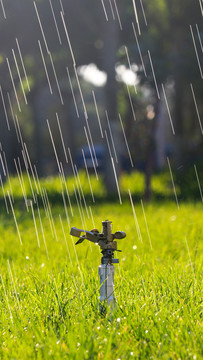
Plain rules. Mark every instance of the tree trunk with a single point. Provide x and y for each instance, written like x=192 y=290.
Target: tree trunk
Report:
x=110 y=40
x=178 y=117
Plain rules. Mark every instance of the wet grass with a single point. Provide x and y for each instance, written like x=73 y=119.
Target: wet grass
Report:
x=49 y=299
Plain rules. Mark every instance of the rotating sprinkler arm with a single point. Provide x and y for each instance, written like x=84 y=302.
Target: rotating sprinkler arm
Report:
x=105 y=240
x=89 y=235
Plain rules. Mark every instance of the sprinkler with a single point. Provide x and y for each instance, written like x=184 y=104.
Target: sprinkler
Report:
x=105 y=240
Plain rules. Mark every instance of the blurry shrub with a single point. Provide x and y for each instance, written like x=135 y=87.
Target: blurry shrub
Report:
x=186 y=179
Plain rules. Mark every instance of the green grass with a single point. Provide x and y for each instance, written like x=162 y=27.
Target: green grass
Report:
x=161 y=186
x=49 y=304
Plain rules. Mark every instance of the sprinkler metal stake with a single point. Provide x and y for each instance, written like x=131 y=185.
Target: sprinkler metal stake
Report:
x=105 y=240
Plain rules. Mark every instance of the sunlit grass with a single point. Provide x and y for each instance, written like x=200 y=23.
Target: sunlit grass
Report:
x=161 y=185
x=49 y=306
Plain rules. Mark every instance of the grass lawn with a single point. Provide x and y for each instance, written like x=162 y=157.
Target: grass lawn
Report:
x=49 y=288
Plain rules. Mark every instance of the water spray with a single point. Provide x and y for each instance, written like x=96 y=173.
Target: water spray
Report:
x=105 y=240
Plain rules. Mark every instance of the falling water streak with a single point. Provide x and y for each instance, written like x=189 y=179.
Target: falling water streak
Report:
x=56 y=78
x=8 y=176
x=67 y=192
x=80 y=200
x=71 y=160
x=150 y=59
x=143 y=11
x=22 y=62
x=80 y=91
x=26 y=168
x=78 y=264
x=62 y=140
x=41 y=28
x=111 y=135
x=174 y=189
x=11 y=316
x=92 y=217
x=4 y=106
x=136 y=17
x=48 y=215
x=200 y=190
x=45 y=67
x=199 y=37
x=62 y=8
x=64 y=235
x=64 y=199
x=131 y=103
x=33 y=175
x=112 y=11
x=17 y=171
x=2 y=164
x=4 y=195
x=22 y=179
x=14 y=87
x=109 y=148
x=65 y=207
x=167 y=106
x=73 y=168
x=14 y=217
x=55 y=22
x=13 y=117
x=105 y=13
x=36 y=231
x=201 y=6
x=190 y=259
x=150 y=242
x=126 y=141
x=73 y=95
x=52 y=140
x=79 y=209
x=90 y=185
x=4 y=13
x=47 y=212
x=97 y=112
x=29 y=179
x=68 y=39
x=20 y=133
x=93 y=163
x=19 y=75
x=91 y=140
x=130 y=66
x=118 y=15
x=21 y=185
x=82 y=192
x=42 y=230
x=40 y=189
x=13 y=283
x=196 y=52
x=198 y=115
x=51 y=216
x=135 y=217
x=141 y=57
x=116 y=179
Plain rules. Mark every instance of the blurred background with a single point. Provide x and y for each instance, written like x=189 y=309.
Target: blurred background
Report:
x=120 y=83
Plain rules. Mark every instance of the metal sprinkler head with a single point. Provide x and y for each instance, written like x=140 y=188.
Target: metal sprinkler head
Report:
x=105 y=240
